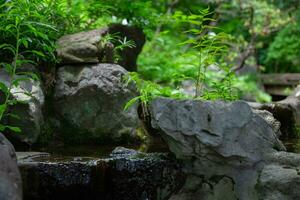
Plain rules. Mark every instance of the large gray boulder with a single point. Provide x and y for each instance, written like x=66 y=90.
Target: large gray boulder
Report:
x=10 y=178
x=228 y=150
x=92 y=47
x=29 y=111
x=90 y=102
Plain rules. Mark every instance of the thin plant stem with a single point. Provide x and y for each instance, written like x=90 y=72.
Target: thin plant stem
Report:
x=8 y=94
x=198 y=75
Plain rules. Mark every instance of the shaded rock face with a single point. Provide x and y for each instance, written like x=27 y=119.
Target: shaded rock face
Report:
x=89 y=47
x=224 y=146
x=269 y=118
x=286 y=111
x=125 y=175
x=30 y=118
x=129 y=55
x=10 y=178
x=282 y=112
x=294 y=102
x=90 y=102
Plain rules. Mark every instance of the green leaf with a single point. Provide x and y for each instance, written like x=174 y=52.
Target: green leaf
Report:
x=10 y=48
x=31 y=75
x=2 y=110
x=3 y=46
x=2 y=127
x=9 y=26
x=3 y=88
x=12 y=128
x=43 y=25
x=39 y=53
x=16 y=82
x=12 y=116
x=131 y=102
x=24 y=42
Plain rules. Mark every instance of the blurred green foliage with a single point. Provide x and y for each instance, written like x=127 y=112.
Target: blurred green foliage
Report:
x=38 y=25
x=285 y=49
x=263 y=36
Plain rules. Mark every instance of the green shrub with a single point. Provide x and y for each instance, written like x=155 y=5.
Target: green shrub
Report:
x=284 y=53
x=24 y=41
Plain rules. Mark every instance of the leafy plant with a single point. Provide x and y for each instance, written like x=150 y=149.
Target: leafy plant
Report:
x=117 y=43
x=82 y=15
x=207 y=45
x=284 y=52
x=164 y=63
x=21 y=28
x=37 y=27
x=148 y=91
x=141 y=13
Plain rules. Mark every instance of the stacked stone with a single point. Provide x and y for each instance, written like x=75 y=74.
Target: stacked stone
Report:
x=86 y=103
x=89 y=96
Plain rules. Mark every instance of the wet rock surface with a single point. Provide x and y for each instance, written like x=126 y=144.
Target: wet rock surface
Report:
x=90 y=102
x=229 y=151
x=125 y=174
x=45 y=177
x=143 y=176
x=10 y=178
